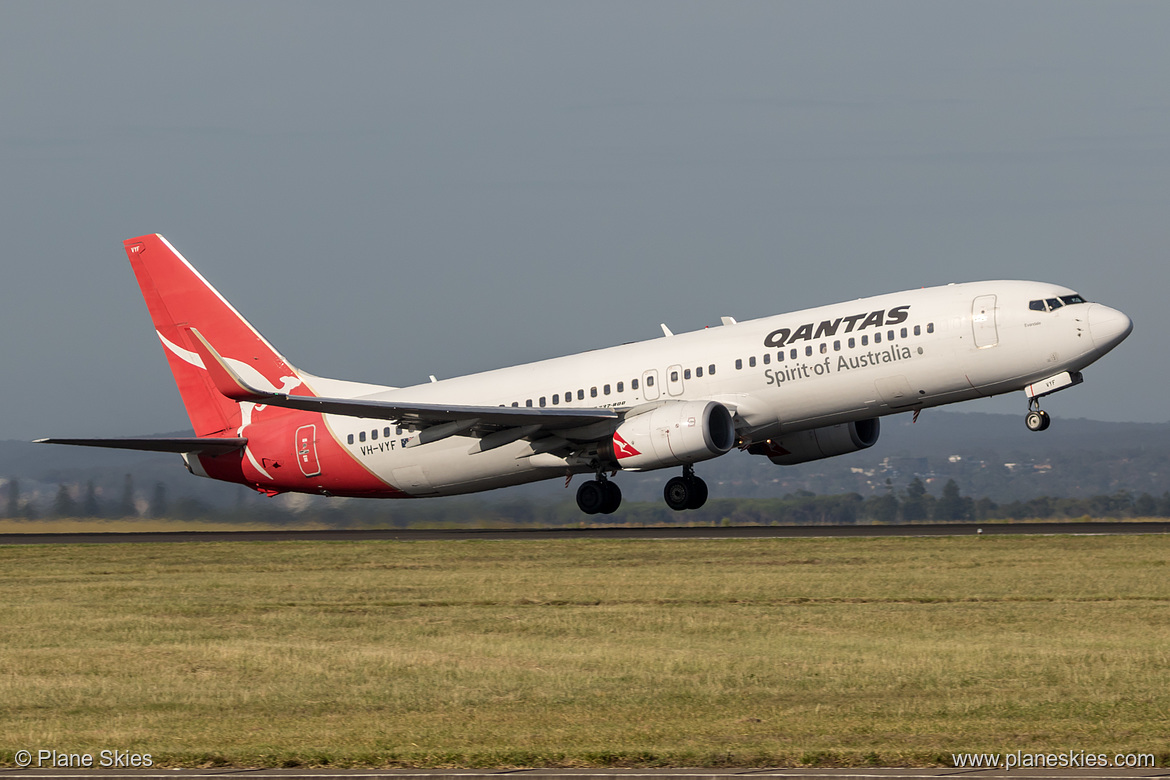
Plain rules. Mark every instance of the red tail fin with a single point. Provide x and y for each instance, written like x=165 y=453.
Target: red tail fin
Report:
x=179 y=298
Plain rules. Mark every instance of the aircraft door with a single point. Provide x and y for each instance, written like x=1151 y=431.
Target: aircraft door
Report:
x=650 y=389
x=674 y=380
x=983 y=321
x=306 y=447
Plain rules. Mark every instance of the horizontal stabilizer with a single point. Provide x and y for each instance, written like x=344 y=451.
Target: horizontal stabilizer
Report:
x=209 y=446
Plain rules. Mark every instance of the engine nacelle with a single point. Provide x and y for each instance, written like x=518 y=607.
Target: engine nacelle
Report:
x=818 y=443
x=675 y=433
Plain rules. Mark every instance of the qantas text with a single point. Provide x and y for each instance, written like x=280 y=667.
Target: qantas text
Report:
x=812 y=330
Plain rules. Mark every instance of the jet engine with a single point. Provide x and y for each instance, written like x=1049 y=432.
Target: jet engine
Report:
x=673 y=434
x=803 y=446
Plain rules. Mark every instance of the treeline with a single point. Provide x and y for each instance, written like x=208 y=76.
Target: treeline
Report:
x=912 y=504
x=89 y=504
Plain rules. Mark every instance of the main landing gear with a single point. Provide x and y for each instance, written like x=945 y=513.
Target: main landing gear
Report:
x=1037 y=419
x=599 y=496
x=685 y=492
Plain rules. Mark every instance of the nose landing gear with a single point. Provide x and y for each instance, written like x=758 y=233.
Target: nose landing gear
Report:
x=1037 y=419
x=685 y=492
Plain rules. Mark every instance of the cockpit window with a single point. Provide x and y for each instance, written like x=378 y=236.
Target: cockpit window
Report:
x=1052 y=304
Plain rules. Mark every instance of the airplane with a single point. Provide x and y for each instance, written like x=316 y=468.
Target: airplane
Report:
x=793 y=388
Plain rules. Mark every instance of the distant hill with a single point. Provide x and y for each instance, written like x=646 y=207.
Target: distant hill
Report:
x=986 y=454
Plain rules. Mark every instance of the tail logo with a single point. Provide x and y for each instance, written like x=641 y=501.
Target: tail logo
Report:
x=245 y=370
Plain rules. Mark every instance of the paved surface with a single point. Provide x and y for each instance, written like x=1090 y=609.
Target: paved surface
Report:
x=592 y=774
x=735 y=532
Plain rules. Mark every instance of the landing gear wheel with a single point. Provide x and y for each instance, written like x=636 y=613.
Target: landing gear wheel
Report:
x=591 y=497
x=599 y=497
x=612 y=497
x=685 y=492
x=678 y=493
x=1037 y=420
x=698 y=493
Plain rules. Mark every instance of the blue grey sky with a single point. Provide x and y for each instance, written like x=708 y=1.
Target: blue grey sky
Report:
x=389 y=190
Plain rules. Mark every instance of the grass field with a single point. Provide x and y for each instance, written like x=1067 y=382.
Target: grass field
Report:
x=588 y=653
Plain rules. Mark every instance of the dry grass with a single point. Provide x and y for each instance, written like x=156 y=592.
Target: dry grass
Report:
x=747 y=652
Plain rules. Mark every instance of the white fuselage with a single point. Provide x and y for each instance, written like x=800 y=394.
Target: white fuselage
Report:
x=791 y=372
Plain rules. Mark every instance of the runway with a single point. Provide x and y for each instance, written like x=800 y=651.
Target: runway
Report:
x=514 y=534
x=590 y=774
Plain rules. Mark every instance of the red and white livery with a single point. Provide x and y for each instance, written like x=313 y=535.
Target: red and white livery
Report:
x=793 y=387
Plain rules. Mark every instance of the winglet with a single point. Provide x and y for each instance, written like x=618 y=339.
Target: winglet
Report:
x=226 y=380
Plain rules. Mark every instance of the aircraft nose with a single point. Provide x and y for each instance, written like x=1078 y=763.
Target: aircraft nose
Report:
x=1108 y=326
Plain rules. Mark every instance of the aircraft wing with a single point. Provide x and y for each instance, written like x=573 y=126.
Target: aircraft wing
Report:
x=210 y=446
x=457 y=416
x=431 y=414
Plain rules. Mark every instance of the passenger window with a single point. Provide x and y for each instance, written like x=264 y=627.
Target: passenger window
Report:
x=852 y=342
x=836 y=346
x=593 y=392
x=528 y=402
x=930 y=327
x=780 y=356
x=687 y=374
x=633 y=384
x=767 y=358
x=580 y=395
x=824 y=347
x=890 y=336
x=808 y=351
x=374 y=434
x=349 y=439
x=605 y=389
x=542 y=400
x=650 y=381
x=792 y=354
x=698 y=372
x=673 y=376
x=556 y=399
x=877 y=337
x=621 y=386
x=386 y=432
x=738 y=364
x=905 y=333
x=568 y=396
x=865 y=341
x=752 y=361
x=361 y=436
x=398 y=431
x=711 y=370
x=917 y=330
x=515 y=403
